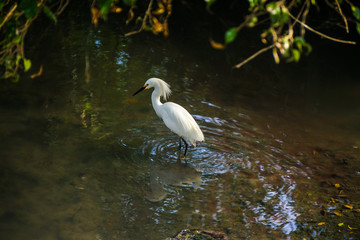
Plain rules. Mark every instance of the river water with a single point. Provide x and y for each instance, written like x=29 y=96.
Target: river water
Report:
x=81 y=158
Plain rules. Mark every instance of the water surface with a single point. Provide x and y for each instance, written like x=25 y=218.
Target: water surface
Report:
x=83 y=159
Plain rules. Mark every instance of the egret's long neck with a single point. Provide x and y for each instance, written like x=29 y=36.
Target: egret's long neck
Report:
x=155 y=99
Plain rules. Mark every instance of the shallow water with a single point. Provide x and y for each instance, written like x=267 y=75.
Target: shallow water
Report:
x=83 y=159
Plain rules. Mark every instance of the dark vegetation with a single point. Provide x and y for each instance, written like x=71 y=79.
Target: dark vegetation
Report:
x=281 y=25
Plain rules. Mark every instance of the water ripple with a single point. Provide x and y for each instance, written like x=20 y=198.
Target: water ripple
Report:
x=233 y=144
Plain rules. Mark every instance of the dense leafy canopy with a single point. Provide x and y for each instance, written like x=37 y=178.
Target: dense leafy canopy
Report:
x=283 y=24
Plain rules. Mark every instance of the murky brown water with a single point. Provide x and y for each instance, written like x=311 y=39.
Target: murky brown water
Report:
x=83 y=159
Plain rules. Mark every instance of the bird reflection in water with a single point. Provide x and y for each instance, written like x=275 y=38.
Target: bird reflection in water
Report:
x=175 y=174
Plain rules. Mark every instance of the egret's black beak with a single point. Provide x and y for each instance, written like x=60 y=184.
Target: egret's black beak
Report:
x=139 y=90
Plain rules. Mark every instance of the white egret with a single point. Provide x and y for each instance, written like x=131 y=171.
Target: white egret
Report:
x=175 y=117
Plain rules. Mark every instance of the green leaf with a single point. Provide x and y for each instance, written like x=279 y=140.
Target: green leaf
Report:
x=87 y=106
x=230 y=35
x=299 y=40
x=18 y=57
x=29 y=7
x=309 y=47
x=253 y=21
x=252 y=4
x=278 y=13
x=295 y=55
x=16 y=78
x=130 y=3
x=301 y=43
x=16 y=39
x=49 y=14
x=27 y=64
x=358 y=28
x=283 y=16
x=105 y=6
x=209 y=3
x=274 y=10
x=2 y=3
x=356 y=12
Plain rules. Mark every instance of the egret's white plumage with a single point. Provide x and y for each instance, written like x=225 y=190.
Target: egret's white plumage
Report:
x=175 y=117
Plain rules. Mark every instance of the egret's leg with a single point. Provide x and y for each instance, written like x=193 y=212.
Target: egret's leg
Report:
x=179 y=144
x=186 y=146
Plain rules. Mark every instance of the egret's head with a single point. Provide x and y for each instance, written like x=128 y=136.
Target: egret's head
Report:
x=159 y=85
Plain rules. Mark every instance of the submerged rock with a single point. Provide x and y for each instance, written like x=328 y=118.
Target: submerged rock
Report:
x=187 y=234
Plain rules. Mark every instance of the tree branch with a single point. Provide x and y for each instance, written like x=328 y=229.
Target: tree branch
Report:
x=147 y=14
x=254 y=56
x=8 y=15
x=345 y=21
x=319 y=33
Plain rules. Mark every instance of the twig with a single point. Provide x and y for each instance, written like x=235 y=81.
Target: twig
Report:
x=147 y=14
x=254 y=56
x=62 y=7
x=9 y=15
x=319 y=33
x=345 y=21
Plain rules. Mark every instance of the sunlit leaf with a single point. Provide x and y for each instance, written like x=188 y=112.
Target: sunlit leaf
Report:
x=166 y=29
x=95 y=16
x=321 y=223
x=314 y=152
x=338 y=214
x=276 y=56
x=230 y=35
x=18 y=57
x=49 y=14
x=38 y=73
x=351 y=228
x=341 y=224
x=217 y=45
x=27 y=64
x=160 y=10
x=337 y=185
x=158 y=27
x=115 y=9
x=295 y=54
x=349 y=207
x=29 y=7
x=274 y=9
